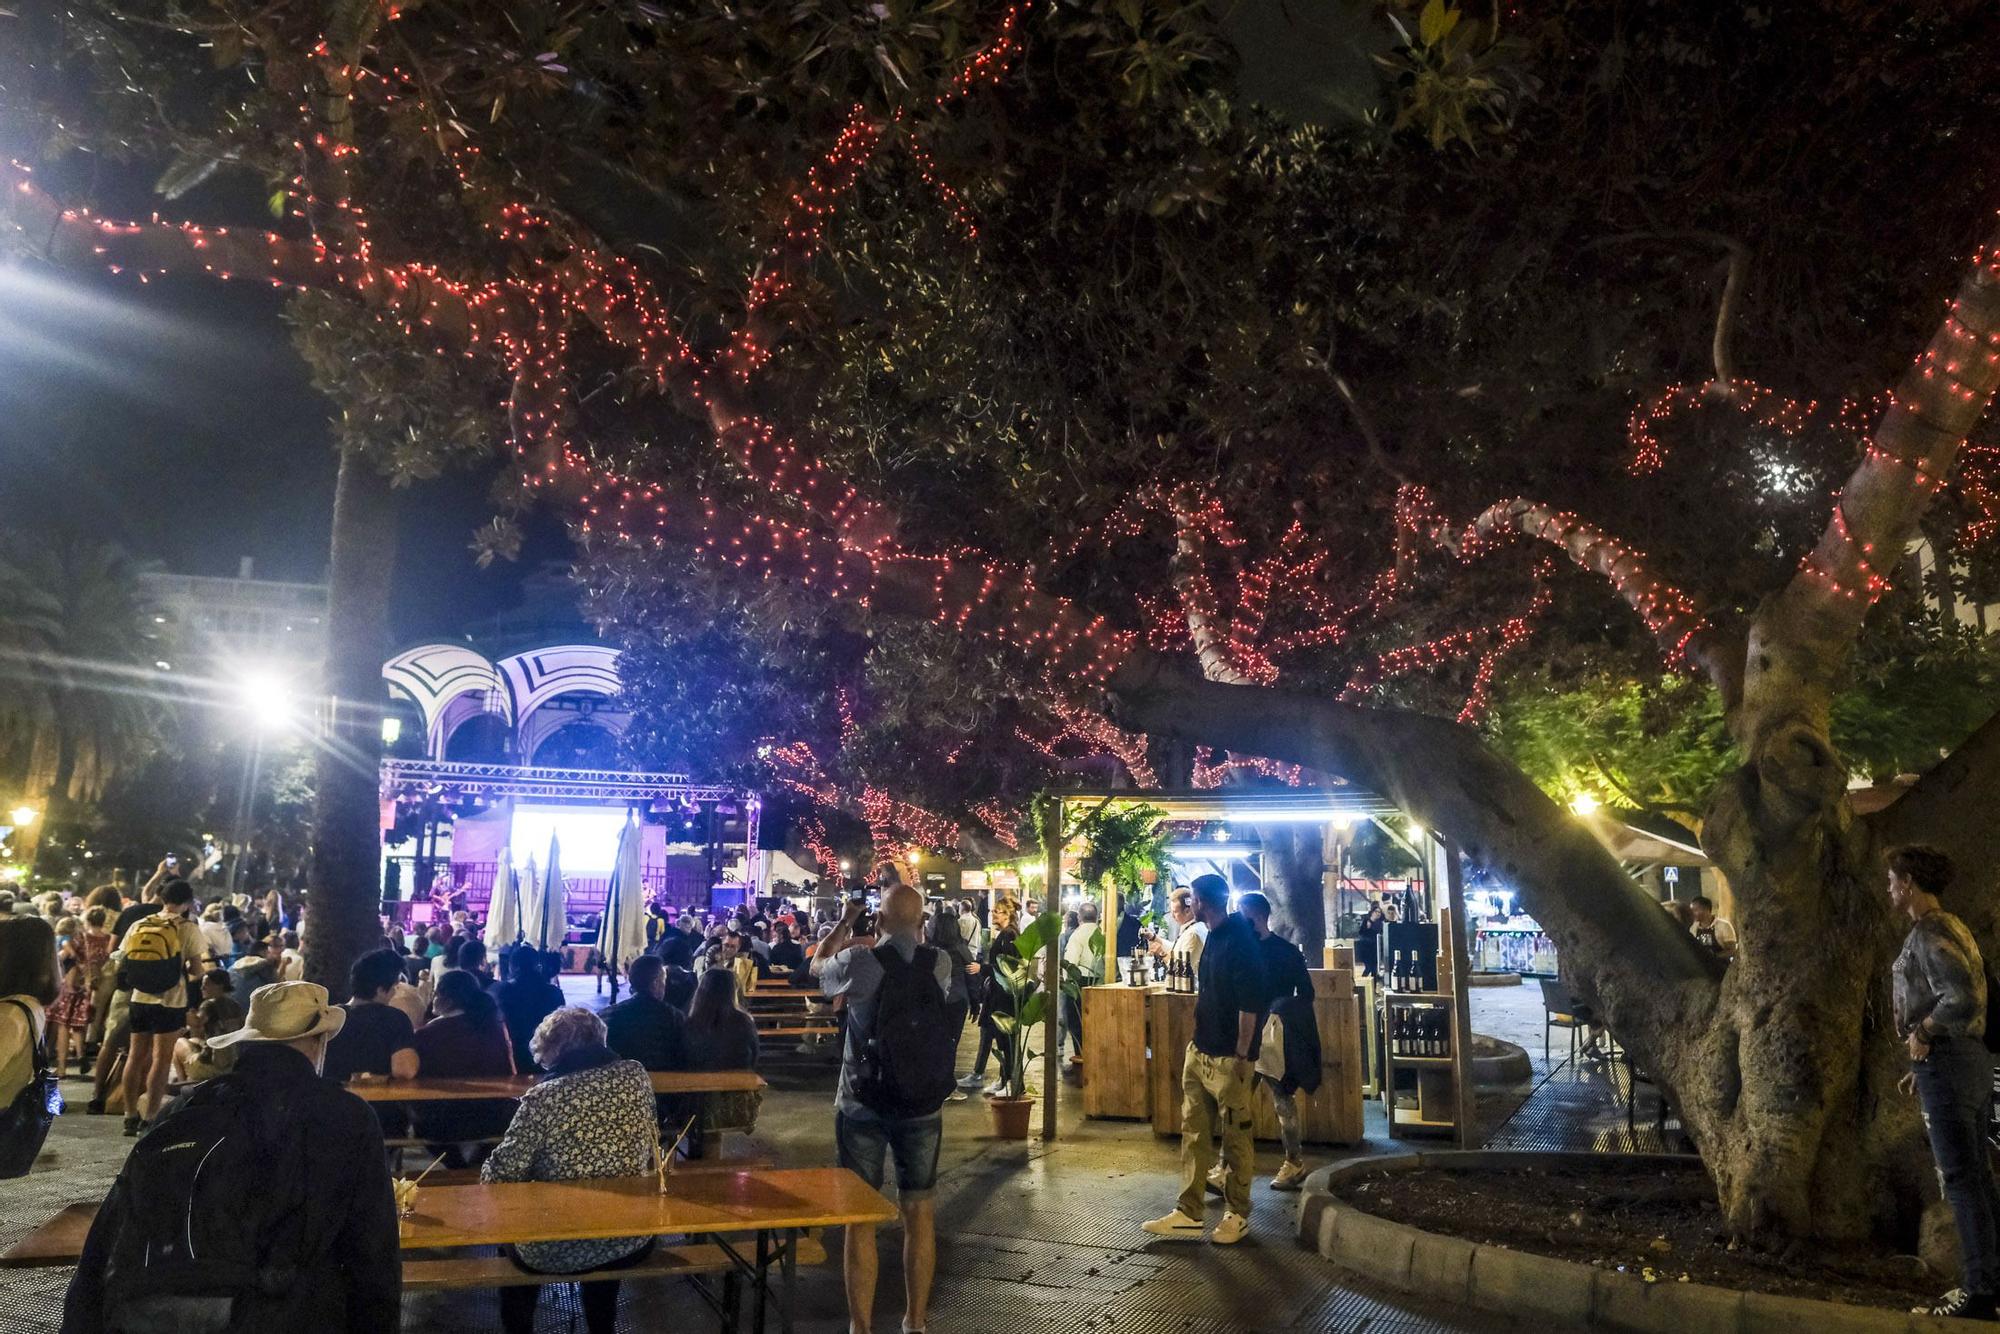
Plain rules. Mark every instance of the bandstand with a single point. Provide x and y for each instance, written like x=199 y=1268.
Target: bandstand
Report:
x=489 y=759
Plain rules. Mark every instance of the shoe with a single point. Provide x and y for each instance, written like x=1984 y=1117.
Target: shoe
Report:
x=1963 y=1305
x=972 y=1081
x=1218 y=1178
x=1232 y=1229
x=957 y=1095
x=133 y=1125
x=997 y=1089
x=95 y=1107
x=1290 y=1176
x=1176 y=1225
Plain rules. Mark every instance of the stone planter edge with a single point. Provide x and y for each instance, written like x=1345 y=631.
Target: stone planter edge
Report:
x=1520 y=1283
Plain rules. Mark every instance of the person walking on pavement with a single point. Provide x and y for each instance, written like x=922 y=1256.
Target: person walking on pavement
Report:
x=1295 y=1049
x=1216 y=1079
x=1939 y=991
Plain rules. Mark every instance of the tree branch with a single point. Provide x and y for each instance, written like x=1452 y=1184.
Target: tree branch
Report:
x=1800 y=641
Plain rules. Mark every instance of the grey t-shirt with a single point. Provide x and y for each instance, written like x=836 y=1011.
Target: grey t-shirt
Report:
x=856 y=973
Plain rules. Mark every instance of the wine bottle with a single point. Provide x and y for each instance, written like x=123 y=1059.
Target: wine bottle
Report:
x=1396 y=973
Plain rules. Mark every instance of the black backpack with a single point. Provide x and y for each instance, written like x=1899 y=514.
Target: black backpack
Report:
x=24 y=1122
x=201 y=1213
x=903 y=1062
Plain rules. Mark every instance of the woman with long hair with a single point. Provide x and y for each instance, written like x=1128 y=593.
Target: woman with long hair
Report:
x=1006 y=928
x=721 y=1035
x=467 y=1040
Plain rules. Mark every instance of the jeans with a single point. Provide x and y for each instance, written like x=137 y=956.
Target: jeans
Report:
x=1215 y=1096
x=1954 y=1087
x=864 y=1140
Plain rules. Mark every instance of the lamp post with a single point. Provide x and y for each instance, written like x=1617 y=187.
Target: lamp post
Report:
x=267 y=702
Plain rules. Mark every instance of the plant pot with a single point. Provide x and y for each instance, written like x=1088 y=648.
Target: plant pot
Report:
x=1011 y=1116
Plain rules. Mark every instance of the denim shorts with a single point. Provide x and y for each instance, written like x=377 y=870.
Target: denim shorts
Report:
x=863 y=1139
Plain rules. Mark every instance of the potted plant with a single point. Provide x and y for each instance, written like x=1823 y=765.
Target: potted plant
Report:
x=1021 y=977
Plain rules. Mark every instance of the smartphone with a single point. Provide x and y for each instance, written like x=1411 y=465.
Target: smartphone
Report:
x=173 y=862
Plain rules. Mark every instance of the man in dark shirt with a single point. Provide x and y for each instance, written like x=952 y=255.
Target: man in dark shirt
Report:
x=644 y=1028
x=786 y=953
x=526 y=998
x=1286 y=977
x=1215 y=1081
x=322 y=1193
x=377 y=1038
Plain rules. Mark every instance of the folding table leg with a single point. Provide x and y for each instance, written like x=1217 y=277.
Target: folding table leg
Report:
x=762 y=1280
x=790 y=1262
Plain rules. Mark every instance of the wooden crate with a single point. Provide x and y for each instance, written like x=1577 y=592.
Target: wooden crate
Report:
x=1116 y=1082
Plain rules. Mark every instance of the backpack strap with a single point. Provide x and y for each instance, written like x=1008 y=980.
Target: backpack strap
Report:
x=37 y=1043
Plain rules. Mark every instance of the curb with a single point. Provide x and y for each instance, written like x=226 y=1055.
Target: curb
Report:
x=1519 y=1283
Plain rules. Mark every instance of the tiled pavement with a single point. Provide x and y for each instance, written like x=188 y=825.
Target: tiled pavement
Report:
x=1033 y=1239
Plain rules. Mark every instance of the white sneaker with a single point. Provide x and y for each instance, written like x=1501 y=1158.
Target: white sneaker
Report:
x=972 y=1081
x=957 y=1095
x=1218 y=1178
x=1230 y=1230
x=1290 y=1176
x=1176 y=1225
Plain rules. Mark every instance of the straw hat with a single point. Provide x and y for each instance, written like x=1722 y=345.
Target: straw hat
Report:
x=283 y=1012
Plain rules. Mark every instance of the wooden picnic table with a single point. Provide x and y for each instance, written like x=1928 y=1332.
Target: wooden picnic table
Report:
x=513 y=1086
x=775 y=1205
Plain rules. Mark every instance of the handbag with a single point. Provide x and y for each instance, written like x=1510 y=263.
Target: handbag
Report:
x=1271 y=1054
x=25 y=1122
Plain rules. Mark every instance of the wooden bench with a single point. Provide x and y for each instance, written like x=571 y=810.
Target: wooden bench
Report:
x=469 y=1176
x=459 y=1273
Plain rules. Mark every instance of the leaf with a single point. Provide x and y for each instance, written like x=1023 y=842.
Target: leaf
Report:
x=1035 y=1010
x=1436 y=21
x=276 y=203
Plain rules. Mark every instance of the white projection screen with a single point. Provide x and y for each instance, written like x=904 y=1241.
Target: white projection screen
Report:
x=589 y=836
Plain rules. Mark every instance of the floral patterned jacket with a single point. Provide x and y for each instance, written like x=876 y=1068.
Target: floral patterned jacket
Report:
x=591 y=1117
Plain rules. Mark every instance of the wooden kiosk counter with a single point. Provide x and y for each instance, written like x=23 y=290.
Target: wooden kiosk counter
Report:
x=1135 y=1042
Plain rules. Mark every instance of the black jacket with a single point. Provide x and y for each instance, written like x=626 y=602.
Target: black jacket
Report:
x=1292 y=1001
x=647 y=1031
x=338 y=1224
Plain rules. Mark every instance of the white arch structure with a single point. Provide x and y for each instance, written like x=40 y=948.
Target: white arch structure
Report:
x=450 y=683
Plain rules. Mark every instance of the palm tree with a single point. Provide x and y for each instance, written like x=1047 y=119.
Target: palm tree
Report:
x=75 y=702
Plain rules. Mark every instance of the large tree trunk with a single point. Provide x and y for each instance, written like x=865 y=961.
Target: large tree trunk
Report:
x=344 y=902
x=1783 y=1065
x=1294 y=870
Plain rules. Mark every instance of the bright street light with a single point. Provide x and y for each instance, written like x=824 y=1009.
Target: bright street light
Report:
x=22 y=816
x=266 y=700
x=392 y=730
x=1583 y=803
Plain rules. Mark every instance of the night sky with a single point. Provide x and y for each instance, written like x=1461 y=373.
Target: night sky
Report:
x=174 y=419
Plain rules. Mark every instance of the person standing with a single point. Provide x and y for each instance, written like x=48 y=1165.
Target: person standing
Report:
x=1714 y=932
x=1291 y=991
x=895 y=1073
x=1939 y=992
x=1215 y=1081
x=942 y=934
x=996 y=1001
x=1189 y=934
x=1368 y=939
x=162 y=953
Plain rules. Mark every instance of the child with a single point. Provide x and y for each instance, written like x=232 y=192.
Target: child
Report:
x=69 y=1017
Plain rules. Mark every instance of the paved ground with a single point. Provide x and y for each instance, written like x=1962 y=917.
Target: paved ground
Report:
x=1032 y=1237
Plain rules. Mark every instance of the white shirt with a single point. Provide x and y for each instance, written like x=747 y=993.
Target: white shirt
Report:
x=411 y=1002
x=216 y=936
x=1188 y=944
x=1079 y=952
x=294 y=967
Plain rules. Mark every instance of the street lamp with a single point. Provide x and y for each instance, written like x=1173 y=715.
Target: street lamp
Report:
x=22 y=816
x=1583 y=803
x=266 y=700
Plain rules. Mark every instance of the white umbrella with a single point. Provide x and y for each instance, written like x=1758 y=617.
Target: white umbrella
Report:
x=621 y=933
x=534 y=896
x=553 y=919
x=503 y=909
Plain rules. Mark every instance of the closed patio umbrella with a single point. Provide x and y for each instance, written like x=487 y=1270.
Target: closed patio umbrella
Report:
x=621 y=933
x=552 y=922
x=503 y=909
x=534 y=896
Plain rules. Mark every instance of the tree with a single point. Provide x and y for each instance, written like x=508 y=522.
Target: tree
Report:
x=1114 y=393
x=77 y=703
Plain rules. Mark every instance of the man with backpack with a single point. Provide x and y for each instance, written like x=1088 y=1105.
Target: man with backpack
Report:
x=895 y=1075
x=159 y=955
x=261 y=1201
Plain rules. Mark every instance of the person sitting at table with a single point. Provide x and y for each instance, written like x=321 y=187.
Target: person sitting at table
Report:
x=719 y=1034
x=786 y=953
x=472 y=959
x=592 y=1117
x=526 y=997
x=646 y=1028
x=735 y=955
x=466 y=1040
x=377 y=1041
x=320 y=1202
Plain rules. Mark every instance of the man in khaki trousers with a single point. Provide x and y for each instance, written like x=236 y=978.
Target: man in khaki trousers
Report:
x=1216 y=1079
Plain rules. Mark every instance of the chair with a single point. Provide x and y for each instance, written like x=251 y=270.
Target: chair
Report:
x=1559 y=1010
